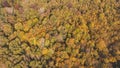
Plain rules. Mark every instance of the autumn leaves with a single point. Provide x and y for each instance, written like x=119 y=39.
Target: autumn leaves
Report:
x=59 y=33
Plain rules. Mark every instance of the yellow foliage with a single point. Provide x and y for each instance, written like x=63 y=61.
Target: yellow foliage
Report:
x=24 y=38
x=21 y=35
x=18 y=26
x=101 y=45
x=73 y=59
x=59 y=33
x=102 y=16
x=26 y=27
x=110 y=59
x=92 y=43
x=64 y=55
x=45 y=51
x=35 y=20
x=32 y=41
x=92 y=25
x=70 y=41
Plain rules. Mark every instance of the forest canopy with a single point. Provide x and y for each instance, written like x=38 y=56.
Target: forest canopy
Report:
x=60 y=33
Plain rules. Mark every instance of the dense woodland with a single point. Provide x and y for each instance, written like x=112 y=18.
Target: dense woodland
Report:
x=59 y=33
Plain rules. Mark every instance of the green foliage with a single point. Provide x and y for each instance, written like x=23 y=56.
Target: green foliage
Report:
x=14 y=46
x=7 y=29
x=3 y=40
x=18 y=26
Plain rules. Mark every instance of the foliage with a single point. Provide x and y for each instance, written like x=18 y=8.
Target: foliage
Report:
x=59 y=33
